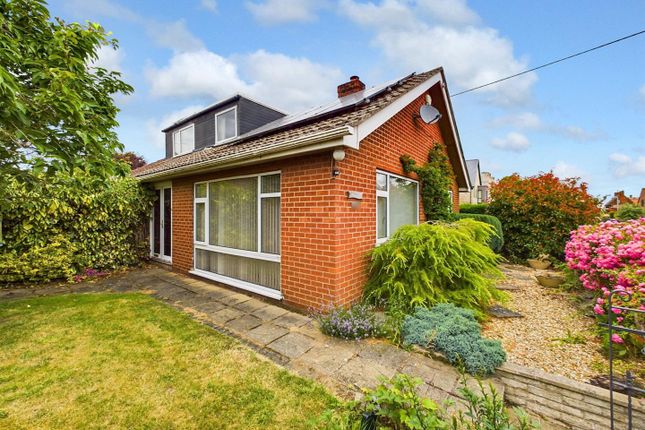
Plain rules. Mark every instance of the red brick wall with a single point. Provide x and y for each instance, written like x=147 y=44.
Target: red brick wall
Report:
x=324 y=241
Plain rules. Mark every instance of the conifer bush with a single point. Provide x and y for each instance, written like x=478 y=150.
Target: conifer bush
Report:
x=456 y=333
x=435 y=263
x=497 y=240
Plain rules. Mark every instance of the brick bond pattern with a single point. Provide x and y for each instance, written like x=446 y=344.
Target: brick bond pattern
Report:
x=324 y=240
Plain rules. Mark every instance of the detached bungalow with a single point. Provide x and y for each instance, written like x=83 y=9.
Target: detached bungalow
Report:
x=288 y=206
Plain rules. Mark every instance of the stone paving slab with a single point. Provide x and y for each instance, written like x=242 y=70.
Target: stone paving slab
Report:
x=266 y=333
x=250 y=305
x=225 y=315
x=244 y=323
x=269 y=313
x=292 y=345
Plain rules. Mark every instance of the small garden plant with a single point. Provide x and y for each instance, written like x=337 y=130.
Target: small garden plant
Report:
x=456 y=334
x=353 y=322
x=434 y=263
x=396 y=404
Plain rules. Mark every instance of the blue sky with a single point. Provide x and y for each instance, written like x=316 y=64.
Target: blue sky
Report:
x=584 y=117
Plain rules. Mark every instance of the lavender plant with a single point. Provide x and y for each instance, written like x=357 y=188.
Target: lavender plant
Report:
x=354 y=322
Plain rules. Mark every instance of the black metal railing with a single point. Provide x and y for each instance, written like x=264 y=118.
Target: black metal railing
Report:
x=628 y=386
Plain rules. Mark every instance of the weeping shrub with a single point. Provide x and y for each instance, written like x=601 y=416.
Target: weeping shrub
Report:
x=435 y=263
x=497 y=240
x=456 y=333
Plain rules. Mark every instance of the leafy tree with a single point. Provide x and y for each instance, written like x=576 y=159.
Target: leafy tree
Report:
x=436 y=178
x=628 y=211
x=56 y=108
x=132 y=159
x=539 y=212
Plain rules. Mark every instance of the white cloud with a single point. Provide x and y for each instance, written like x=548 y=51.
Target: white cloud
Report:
x=173 y=35
x=472 y=55
x=624 y=165
x=154 y=126
x=577 y=133
x=90 y=9
x=195 y=74
x=524 y=120
x=513 y=141
x=450 y=11
x=209 y=5
x=109 y=58
x=283 y=11
x=284 y=82
x=564 y=170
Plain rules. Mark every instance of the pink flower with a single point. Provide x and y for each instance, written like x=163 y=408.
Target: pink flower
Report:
x=616 y=339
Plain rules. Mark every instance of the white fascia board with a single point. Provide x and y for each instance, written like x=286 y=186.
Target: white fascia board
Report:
x=453 y=126
x=380 y=117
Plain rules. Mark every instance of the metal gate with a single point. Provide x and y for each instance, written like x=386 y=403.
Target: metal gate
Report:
x=628 y=385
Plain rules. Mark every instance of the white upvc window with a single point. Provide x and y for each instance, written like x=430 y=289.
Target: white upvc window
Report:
x=183 y=140
x=237 y=232
x=226 y=125
x=397 y=204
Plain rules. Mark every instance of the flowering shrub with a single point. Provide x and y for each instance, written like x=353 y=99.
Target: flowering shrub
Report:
x=539 y=212
x=355 y=322
x=88 y=274
x=611 y=256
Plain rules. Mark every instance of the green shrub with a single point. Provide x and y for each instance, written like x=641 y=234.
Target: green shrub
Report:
x=354 y=322
x=627 y=212
x=436 y=262
x=539 y=212
x=497 y=240
x=64 y=223
x=479 y=208
x=456 y=333
x=54 y=260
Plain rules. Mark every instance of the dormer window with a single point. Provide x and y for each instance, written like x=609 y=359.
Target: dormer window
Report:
x=183 y=140
x=226 y=125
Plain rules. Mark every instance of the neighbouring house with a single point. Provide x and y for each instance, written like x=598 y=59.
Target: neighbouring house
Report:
x=288 y=206
x=618 y=199
x=479 y=192
x=641 y=198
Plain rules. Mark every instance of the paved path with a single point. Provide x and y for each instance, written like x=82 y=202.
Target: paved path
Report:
x=286 y=337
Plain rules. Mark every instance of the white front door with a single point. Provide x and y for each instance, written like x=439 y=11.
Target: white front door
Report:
x=161 y=224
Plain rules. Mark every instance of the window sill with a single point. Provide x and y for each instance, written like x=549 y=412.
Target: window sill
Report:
x=254 y=288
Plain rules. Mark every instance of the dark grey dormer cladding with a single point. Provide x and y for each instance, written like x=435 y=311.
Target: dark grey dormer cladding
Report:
x=250 y=115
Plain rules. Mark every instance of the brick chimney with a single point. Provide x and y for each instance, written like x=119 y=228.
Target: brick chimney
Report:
x=353 y=86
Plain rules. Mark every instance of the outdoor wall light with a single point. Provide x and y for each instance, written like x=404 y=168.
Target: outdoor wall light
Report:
x=338 y=155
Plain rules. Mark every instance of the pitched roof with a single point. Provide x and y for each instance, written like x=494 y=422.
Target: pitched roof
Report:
x=473 y=171
x=287 y=132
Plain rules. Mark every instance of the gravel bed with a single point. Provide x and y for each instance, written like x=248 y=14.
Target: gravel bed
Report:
x=538 y=339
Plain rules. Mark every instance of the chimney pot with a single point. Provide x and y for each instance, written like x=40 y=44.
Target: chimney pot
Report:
x=354 y=85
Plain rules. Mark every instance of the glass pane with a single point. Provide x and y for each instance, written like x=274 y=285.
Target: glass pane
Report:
x=156 y=223
x=200 y=222
x=233 y=214
x=403 y=203
x=381 y=182
x=167 y=222
x=226 y=125
x=271 y=225
x=187 y=137
x=176 y=143
x=271 y=184
x=200 y=191
x=381 y=217
x=258 y=272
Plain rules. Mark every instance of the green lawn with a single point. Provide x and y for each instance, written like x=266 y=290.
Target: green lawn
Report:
x=129 y=361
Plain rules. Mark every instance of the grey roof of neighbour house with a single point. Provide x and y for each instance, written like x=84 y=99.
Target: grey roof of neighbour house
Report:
x=347 y=111
x=473 y=171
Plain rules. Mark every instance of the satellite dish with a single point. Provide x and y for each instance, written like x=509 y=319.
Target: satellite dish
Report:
x=429 y=114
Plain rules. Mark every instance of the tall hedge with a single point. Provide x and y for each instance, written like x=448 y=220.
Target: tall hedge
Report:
x=474 y=208
x=496 y=241
x=539 y=212
x=58 y=225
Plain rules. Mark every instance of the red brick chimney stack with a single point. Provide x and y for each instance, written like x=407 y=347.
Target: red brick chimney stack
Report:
x=353 y=86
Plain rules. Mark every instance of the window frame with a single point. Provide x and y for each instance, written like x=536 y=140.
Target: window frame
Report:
x=178 y=133
x=258 y=255
x=220 y=113
x=386 y=194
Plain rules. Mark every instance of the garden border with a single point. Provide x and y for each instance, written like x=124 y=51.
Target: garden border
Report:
x=561 y=400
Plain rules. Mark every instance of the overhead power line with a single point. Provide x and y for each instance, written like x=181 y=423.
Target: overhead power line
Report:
x=638 y=33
